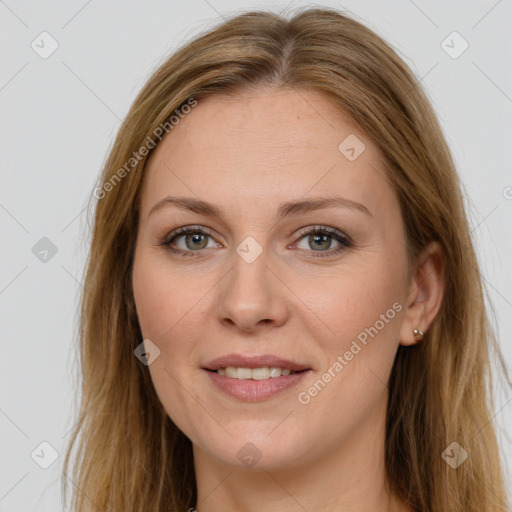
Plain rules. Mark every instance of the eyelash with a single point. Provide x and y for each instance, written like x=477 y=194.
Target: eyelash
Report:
x=345 y=241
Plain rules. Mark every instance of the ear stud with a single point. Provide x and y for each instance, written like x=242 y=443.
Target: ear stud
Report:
x=418 y=334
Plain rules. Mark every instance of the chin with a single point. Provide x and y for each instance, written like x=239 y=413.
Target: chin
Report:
x=256 y=450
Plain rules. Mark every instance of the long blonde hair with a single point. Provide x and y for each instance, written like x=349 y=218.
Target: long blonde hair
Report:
x=128 y=454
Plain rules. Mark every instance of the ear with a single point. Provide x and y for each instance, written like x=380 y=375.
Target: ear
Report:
x=425 y=293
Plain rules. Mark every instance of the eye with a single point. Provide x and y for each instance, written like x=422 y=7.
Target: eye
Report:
x=194 y=240
x=320 y=238
x=191 y=240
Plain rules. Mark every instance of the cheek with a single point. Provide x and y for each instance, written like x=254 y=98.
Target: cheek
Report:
x=168 y=312
x=355 y=297
x=360 y=305
x=362 y=309
x=164 y=297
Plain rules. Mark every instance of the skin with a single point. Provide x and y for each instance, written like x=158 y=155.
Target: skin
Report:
x=248 y=154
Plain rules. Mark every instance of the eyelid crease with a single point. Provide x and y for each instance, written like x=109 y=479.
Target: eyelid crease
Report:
x=311 y=230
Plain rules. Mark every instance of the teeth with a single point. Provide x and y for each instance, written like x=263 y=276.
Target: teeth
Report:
x=259 y=373
x=232 y=372
x=253 y=373
x=275 y=372
x=244 y=373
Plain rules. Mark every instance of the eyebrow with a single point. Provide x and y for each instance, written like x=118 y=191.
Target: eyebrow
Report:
x=286 y=209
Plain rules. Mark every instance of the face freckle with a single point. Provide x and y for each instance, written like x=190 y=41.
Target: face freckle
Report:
x=283 y=294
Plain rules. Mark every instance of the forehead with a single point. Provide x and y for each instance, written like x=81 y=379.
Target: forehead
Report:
x=263 y=147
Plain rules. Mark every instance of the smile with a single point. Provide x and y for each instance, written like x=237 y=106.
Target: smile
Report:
x=262 y=373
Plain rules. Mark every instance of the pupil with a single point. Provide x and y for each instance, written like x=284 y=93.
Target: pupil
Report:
x=320 y=239
x=196 y=240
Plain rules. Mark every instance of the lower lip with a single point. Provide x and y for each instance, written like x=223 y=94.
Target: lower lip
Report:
x=249 y=390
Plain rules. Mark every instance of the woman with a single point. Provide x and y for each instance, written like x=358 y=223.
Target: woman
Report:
x=283 y=308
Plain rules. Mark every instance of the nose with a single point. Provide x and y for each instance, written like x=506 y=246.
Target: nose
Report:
x=252 y=296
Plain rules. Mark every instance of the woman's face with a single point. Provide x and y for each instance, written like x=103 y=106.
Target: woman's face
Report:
x=252 y=176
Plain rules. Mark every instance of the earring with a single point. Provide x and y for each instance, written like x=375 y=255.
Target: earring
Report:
x=418 y=334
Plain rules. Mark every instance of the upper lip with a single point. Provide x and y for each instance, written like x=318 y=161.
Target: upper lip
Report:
x=260 y=361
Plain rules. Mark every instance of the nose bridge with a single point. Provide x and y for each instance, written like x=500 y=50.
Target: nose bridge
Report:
x=251 y=294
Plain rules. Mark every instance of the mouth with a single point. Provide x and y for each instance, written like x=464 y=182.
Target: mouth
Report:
x=254 y=378
x=264 y=366
x=260 y=373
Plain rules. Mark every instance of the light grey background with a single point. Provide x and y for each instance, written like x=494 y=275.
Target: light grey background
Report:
x=58 y=119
